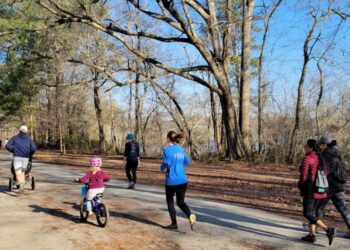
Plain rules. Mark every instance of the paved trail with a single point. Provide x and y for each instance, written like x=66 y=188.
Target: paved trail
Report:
x=48 y=218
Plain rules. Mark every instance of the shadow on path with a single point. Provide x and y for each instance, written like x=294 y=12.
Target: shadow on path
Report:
x=5 y=189
x=134 y=218
x=240 y=218
x=75 y=206
x=58 y=213
x=225 y=219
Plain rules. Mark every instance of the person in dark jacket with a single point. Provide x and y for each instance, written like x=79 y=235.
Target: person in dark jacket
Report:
x=132 y=159
x=336 y=191
x=23 y=148
x=311 y=199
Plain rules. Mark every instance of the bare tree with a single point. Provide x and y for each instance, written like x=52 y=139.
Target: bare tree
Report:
x=244 y=100
x=216 y=53
x=309 y=44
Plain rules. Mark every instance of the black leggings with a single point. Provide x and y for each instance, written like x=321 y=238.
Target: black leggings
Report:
x=310 y=206
x=131 y=166
x=180 y=191
x=338 y=200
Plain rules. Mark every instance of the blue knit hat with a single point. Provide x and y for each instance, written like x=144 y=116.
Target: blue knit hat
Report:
x=130 y=137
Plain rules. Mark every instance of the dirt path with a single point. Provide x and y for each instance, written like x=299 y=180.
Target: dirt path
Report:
x=269 y=187
x=48 y=218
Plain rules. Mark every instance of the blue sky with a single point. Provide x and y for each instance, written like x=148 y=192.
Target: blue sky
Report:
x=284 y=54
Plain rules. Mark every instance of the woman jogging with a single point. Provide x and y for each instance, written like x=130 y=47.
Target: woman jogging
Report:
x=312 y=199
x=174 y=161
x=132 y=158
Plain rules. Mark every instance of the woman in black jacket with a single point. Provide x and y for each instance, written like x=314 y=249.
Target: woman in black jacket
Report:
x=336 y=191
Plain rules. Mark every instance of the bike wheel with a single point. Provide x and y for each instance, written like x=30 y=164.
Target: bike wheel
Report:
x=33 y=183
x=102 y=215
x=10 y=184
x=83 y=213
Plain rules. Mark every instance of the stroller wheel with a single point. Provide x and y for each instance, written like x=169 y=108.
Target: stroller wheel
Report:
x=33 y=183
x=10 y=184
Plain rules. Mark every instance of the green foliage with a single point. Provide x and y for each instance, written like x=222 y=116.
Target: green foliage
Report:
x=17 y=87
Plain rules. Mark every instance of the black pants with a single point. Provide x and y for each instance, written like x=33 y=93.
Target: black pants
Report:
x=131 y=166
x=338 y=200
x=310 y=205
x=180 y=191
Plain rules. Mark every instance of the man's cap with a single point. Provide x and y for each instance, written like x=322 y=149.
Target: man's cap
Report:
x=23 y=129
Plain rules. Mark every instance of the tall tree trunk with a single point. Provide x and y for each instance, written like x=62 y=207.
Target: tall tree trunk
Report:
x=98 y=111
x=137 y=95
x=58 y=81
x=214 y=117
x=113 y=139
x=244 y=121
x=307 y=53
x=130 y=103
x=233 y=136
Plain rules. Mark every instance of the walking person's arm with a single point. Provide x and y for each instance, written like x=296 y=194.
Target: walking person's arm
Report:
x=9 y=145
x=32 y=148
x=126 y=152
x=304 y=171
x=166 y=163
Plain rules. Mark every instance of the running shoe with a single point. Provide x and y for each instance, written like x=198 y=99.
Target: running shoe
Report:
x=130 y=185
x=309 y=238
x=192 y=220
x=331 y=232
x=90 y=213
x=172 y=227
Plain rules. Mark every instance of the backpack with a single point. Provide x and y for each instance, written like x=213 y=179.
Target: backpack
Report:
x=321 y=182
x=340 y=174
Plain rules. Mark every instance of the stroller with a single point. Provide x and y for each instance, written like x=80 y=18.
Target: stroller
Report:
x=28 y=178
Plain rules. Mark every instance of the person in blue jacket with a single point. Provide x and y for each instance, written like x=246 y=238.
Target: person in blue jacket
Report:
x=174 y=162
x=23 y=148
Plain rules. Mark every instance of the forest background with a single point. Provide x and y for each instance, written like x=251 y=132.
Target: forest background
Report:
x=244 y=80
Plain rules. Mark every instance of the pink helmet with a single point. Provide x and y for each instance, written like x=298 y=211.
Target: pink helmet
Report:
x=96 y=162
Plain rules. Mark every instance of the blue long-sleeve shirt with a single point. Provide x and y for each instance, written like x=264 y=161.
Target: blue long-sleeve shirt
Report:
x=174 y=161
x=21 y=145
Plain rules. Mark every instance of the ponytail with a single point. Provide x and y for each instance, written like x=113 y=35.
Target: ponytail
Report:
x=174 y=137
